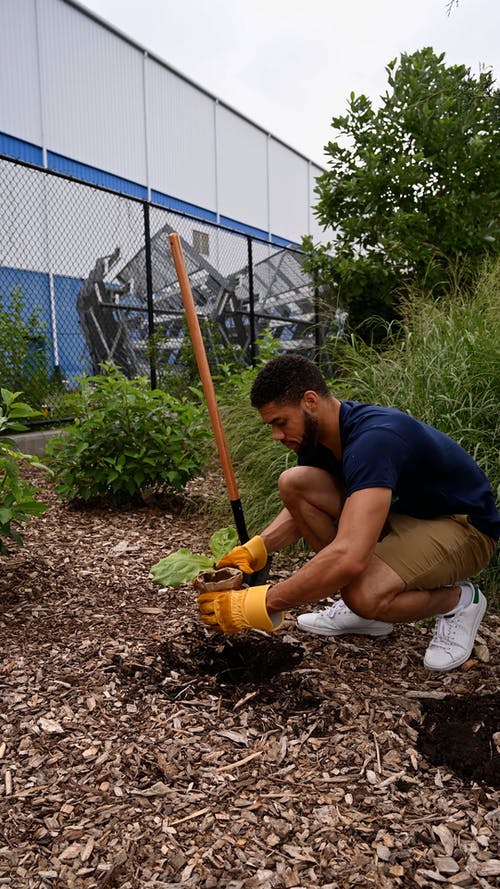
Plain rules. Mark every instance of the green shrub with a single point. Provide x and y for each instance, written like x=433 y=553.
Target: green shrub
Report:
x=17 y=496
x=23 y=350
x=129 y=443
x=62 y=403
x=411 y=187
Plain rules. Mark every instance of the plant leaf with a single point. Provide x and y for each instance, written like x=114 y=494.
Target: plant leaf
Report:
x=179 y=567
x=222 y=541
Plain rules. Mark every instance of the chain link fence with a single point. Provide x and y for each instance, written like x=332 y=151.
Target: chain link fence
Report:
x=86 y=277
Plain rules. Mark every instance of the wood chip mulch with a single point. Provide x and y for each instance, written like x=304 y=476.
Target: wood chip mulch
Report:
x=139 y=750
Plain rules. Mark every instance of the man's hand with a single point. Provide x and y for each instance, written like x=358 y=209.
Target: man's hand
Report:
x=250 y=557
x=237 y=610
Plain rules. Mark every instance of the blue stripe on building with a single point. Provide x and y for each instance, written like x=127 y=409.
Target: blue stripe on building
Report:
x=95 y=176
x=243 y=228
x=283 y=242
x=20 y=150
x=175 y=204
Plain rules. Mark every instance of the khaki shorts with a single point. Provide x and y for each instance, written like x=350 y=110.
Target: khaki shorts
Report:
x=431 y=553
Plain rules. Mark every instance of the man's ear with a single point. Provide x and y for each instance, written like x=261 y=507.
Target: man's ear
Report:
x=310 y=401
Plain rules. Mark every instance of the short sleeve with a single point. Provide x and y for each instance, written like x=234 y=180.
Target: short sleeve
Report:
x=375 y=459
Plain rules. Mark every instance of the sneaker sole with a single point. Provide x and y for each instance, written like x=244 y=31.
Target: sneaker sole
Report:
x=481 y=610
x=377 y=631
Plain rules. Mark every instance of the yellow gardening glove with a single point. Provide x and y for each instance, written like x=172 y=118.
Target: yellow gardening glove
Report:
x=235 y=610
x=250 y=557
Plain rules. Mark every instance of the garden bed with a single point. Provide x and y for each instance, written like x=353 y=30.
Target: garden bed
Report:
x=140 y=750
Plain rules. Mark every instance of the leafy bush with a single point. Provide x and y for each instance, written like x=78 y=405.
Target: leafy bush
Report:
x=17 y=497
x=411 y=189
x=23 y=350
x=61 y=403
x=130 y=442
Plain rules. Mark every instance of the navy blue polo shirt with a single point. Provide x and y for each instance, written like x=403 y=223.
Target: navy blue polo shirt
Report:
x=428 y=472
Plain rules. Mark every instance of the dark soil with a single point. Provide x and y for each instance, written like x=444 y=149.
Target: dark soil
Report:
x=252 y=667
x=457 y=732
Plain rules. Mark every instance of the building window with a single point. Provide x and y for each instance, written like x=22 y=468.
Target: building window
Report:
x=201 y=242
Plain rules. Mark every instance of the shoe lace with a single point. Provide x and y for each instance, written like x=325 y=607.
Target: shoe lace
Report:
x=338 y=607
x=443 y=632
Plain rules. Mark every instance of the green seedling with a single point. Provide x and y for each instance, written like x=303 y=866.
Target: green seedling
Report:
x=184 y=565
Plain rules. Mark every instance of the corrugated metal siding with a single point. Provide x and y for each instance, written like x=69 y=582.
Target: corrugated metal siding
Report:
x=241 y=169
x=315 y=229
x=289 y=191
x=106 y=112
x=110 y=222
x=181 y=137
x=19 y=88
x=52 y=225
x=92 y=87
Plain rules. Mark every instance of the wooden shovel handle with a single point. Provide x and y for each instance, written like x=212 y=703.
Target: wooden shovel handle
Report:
x=206 y=380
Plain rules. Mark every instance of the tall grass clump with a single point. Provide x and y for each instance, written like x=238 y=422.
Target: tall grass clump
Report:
x=257 y=459
x=441 y=364
x=24 y=351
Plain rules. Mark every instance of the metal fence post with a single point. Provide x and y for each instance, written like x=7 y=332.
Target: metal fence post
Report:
x=149 y=293
x=251 y=302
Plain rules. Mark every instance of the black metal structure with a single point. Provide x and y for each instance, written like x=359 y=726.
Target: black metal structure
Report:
x=120 y=307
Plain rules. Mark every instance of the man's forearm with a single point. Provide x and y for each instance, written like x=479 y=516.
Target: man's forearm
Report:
x=326 y=573
x=280 y=533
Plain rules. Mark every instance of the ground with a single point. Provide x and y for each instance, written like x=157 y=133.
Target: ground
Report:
x=140 y=750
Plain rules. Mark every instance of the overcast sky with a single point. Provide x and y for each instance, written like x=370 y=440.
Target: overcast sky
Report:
x=290 y=65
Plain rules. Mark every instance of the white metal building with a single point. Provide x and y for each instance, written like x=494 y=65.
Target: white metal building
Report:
x=82 y=105
x=79 y=97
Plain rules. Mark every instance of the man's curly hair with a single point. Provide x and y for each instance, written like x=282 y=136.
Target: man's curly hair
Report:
x=285 y=380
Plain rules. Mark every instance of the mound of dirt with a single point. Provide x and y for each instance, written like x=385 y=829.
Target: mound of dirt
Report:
x=458 y=732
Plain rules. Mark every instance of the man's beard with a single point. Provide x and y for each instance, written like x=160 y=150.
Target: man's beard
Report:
x=310 y=435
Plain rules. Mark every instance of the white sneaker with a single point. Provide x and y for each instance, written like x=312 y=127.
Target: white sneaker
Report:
x=453 y=639
x=339 y=620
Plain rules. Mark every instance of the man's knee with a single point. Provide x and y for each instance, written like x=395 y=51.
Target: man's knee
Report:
x=310 y=483
x=360 y=603
x=372 y=591
x=292 y=482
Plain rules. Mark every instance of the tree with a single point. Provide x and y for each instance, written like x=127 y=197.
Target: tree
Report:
x=412 y=190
